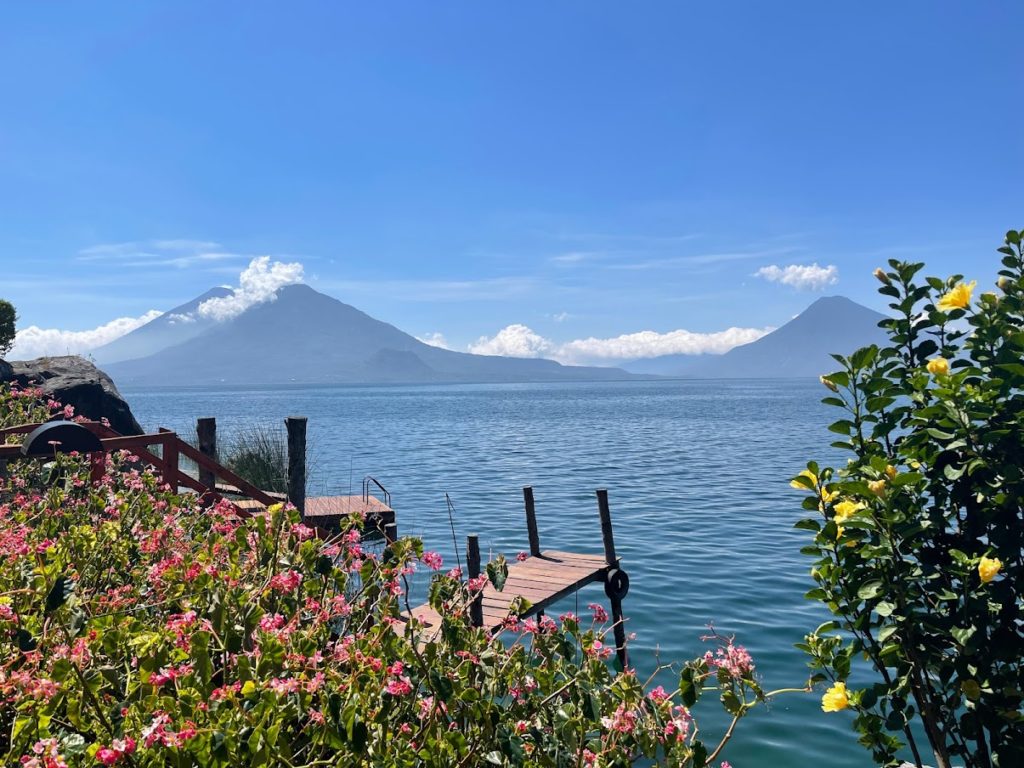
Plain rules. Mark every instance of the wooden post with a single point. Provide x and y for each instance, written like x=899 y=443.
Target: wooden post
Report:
x=170 y=457
x=618 y=621
x=206 y=432
x=476 y=608
x=391 y=533
x=531 y=521
x=296 y=426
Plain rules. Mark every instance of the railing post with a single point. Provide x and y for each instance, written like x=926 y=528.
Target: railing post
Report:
x=618 y=620
x=296 y=426
x=170 y=457
x=476 y=608
x=206 y=432
x=531 y=521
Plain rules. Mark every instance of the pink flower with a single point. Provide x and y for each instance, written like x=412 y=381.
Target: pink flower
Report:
x=433 y=560
x=399 y=687
x=477 y=583
x=521 y=556
x=600 y=614
x=286 y=581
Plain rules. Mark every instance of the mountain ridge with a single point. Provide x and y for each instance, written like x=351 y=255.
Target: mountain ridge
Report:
x=304 y=336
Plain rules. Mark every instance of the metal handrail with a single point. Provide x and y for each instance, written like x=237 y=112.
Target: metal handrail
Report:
x=366 y=489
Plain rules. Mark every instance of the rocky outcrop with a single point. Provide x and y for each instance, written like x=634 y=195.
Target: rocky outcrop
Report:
x=75 y=381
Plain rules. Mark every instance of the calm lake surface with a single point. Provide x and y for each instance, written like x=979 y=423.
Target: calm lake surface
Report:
x=697 y=474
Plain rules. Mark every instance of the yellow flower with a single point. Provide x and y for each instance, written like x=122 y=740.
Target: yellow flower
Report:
x=835 y=698
x=828 y=496
x=882 y=277
x=846 y=509
x=957 y=298
x=828 y=383
x=794 y=483
x=938 y=366
x=988 y=568
x=891 y=471
x=877 y=487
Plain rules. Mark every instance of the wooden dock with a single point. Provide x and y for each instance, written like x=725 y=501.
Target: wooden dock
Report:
x=542 y=579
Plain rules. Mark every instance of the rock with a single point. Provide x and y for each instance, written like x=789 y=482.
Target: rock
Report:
x=75 y=381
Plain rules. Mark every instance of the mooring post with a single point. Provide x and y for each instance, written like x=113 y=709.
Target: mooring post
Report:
x=206 y=432
x=391 y=533
x=476 y=608
x=614 y=596
x=296 y=426
x=531 y=521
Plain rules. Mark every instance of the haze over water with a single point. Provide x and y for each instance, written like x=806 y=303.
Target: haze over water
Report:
x=697 y=473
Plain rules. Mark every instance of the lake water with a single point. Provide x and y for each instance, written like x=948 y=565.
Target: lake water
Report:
x=697 y=474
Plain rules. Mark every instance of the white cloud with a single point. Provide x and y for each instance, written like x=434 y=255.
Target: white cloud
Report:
x=514 y=341
x=177 y=317
x=631 y=346
x=560 y=317
x=258 y=283
x=801 y=276
x=434 y=340
x=34 y=341
x=521 y=341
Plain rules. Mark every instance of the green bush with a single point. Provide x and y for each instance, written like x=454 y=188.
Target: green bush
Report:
x=259 y=454
x=8 y=317
x=919 y=539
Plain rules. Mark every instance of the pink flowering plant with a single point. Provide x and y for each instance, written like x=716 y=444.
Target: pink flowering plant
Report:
x=138 y=628
x=918 y=541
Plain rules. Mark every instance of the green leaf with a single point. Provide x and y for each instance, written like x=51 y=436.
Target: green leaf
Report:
x=884 y=608
x=869 y=590
x=59 y=593
x=497 y=572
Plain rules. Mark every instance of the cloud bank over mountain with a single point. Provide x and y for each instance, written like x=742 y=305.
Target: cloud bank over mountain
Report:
x=35 y=342
x=518 y=340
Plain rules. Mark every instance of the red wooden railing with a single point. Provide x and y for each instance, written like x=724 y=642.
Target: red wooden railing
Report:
x=166 y=463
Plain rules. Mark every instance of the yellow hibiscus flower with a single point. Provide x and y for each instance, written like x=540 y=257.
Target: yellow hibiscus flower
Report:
x=959 y=297
x=988 y=568
x=938 y=366
x=835 y=698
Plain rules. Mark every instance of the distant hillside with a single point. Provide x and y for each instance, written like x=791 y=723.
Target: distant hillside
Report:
x=800 y=348
x=307 y=337
x=172 y=327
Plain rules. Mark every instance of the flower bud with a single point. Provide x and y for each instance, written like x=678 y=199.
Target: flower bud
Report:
x=891 y=471
x=877 y=487
x=1004 y=284
x=882 y=277
x=828 y=383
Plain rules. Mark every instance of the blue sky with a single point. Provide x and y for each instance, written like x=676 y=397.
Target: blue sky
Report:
x=584 y=169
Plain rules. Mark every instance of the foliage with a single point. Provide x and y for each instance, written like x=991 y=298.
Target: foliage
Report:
x=919 y=540
x=8 y=317
x=138 y=628
x=260 y=455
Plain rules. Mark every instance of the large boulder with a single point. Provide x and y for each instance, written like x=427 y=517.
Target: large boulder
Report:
x=75 y=381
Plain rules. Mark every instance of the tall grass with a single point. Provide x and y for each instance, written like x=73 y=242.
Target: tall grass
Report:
x=259 y=453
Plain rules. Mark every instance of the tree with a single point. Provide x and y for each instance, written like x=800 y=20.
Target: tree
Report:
x=919 y=539
x=8 y=317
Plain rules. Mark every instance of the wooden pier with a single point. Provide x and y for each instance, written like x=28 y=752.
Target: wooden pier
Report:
x=542 y=579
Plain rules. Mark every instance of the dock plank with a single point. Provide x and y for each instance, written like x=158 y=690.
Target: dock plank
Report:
x=542 y=580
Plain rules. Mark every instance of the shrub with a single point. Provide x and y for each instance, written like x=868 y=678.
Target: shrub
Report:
x=8 y=317
x=259 y=454
x=140 y=629
x=919 y=539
